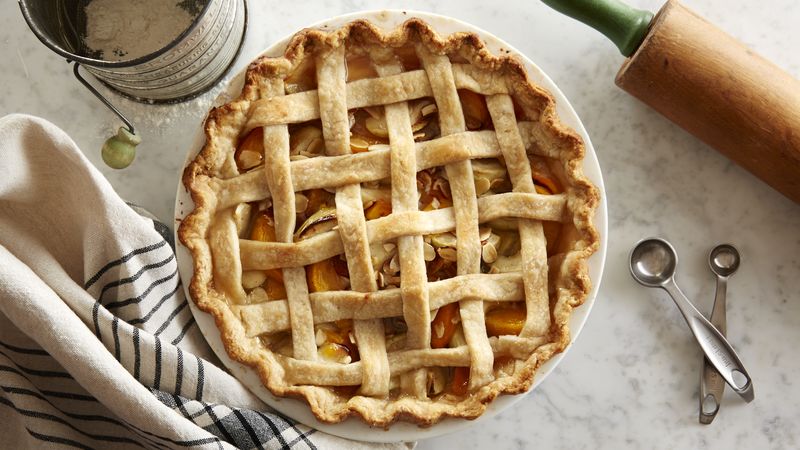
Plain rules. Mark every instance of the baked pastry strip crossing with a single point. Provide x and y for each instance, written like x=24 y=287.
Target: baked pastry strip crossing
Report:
x=279 y=180
x=534 y=245
x=413 y=274
x=304 y=106
x=261 y=315
x=332 y=374
x=257 y=255
x=334 y=171
x=223 y=241
x=331 y=76
x=465 y=206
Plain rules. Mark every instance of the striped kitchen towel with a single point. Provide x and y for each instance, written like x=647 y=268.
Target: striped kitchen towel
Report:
x=98 y=347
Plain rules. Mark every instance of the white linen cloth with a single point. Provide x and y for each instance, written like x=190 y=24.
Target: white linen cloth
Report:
x=98 y=348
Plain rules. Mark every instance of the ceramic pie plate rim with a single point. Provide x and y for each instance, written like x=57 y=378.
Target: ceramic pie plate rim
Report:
x=353 y=428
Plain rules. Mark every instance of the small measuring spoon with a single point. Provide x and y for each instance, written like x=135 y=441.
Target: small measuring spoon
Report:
x=724 y=261
x=653 y=262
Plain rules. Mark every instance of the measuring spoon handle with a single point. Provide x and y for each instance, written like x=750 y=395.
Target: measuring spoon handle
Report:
x=711 y=383
x=716 y=348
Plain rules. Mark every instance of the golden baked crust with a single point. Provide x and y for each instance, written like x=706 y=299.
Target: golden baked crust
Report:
x=217 y=187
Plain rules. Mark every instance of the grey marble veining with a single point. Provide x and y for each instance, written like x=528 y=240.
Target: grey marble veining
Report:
x=631 y=378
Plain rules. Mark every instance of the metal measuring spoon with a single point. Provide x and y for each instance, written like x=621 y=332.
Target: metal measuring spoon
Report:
x=653 y=263
x=724 y=261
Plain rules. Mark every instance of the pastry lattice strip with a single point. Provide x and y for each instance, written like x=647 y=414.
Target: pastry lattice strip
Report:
x=278 y=178
x=331 y=76
x=322 y=373
x=257 y=255
x=465 y=209
x=264 y=317
x=414 y=295
x=334 y=171
x=534 y=246
x=402 y=87
x=440 y=79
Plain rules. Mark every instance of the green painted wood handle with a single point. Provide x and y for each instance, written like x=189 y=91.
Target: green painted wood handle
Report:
x=625 y=26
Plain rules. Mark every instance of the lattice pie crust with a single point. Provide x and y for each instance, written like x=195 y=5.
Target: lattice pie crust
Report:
x=368 y=347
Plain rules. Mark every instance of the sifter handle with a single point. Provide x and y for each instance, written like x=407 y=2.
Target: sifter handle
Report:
x=624 y=25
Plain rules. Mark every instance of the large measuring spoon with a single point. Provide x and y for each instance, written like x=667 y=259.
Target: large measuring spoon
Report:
x=653 y=262
x=724 y=261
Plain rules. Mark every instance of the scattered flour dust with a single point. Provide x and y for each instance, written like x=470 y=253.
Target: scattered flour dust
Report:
x=128 y=29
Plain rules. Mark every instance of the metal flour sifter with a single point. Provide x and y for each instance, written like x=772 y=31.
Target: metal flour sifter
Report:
x=183 y=68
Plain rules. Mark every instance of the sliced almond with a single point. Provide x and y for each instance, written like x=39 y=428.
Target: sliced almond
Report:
x=420 y=124
x=444 y=240
x=484 y=233
x=394 y=265
x=381 y=280
x=438 y=330
x=241 y=216
x=428 y=251
x=253 y=278
x=429 y=109
x=482 y=185
x=315 y=148
x=300 y=203
x=320 y=337
x=377 y=126
x=375 y=147
x=306 y=140
x=448 y=254
x=489 y=253
x=249 y=159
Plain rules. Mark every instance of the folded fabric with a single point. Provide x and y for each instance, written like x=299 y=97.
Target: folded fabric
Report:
x=98 y=347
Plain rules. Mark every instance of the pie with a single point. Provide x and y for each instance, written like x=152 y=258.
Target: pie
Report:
x=393 y=225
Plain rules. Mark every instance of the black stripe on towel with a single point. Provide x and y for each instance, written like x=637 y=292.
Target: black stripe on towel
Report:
x=86 y=417
x=69 y=396
x=139 y=298
x=49 y=417
x=186 y=327
x=72 y=396
x=156 y=308
x=157 y=375
x=96 y=319
x=57 y=394
x=179 y=372
x=303 y=437
x=137 y=355
x=115 y=332
x=35 y=372
x=119 y=261
x=200 y=379
x=275 y=430
x=218 y=423
x=135 y=276
x=250 y=431
x=25 y=351
x=171 y=316
x=57 y=440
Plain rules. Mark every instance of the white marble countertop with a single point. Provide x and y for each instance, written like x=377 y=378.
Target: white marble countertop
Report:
x=631 y=378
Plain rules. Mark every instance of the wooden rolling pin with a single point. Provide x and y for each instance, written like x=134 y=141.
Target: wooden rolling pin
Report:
x=707 y=82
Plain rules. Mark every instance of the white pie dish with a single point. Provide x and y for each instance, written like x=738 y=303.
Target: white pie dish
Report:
x=353 y=428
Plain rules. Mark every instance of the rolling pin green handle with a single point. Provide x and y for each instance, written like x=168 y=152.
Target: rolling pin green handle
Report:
x=625 y=26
